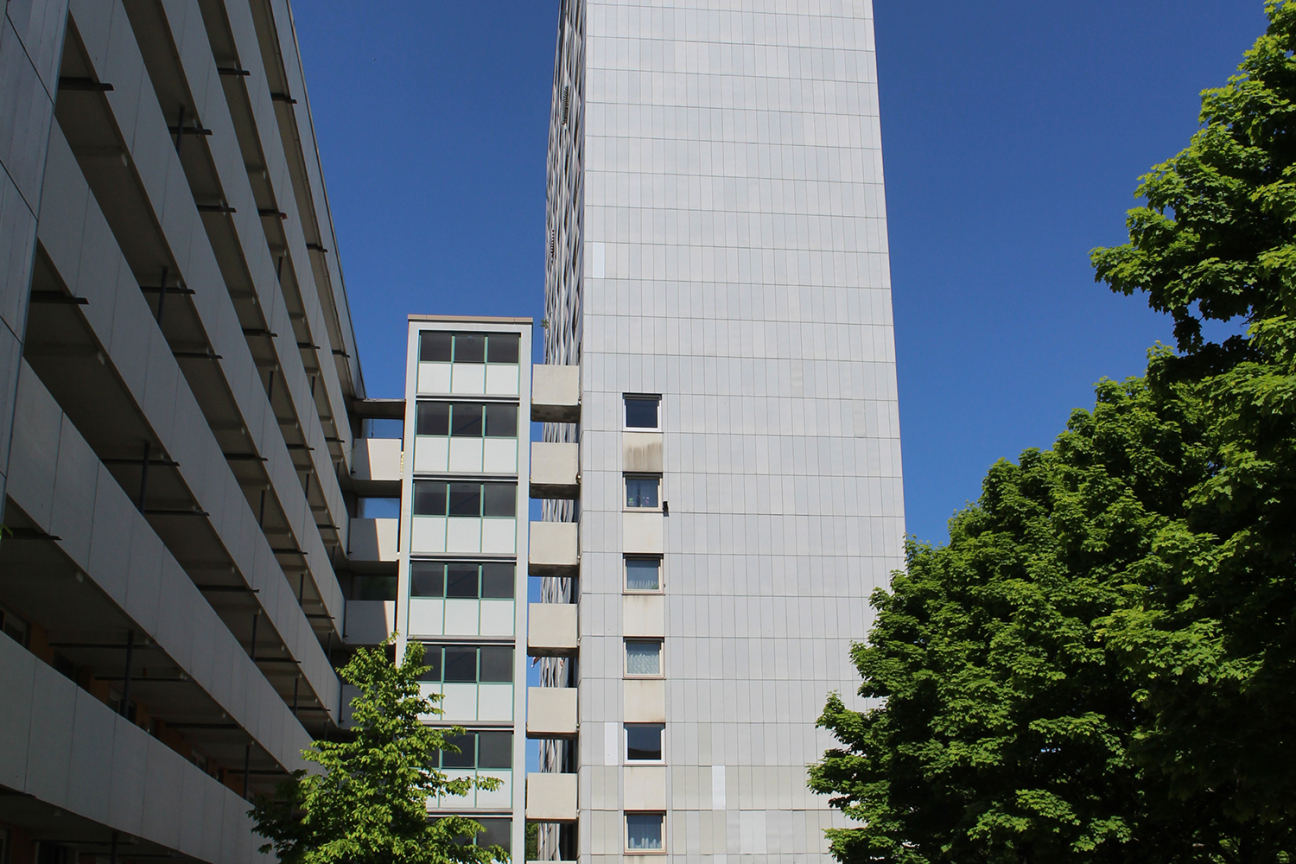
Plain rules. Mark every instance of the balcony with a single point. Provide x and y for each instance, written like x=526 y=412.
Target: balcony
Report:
x=555 y=470
x=551 y=630
x=369 y=622
x=551 y=798
x=555 y=394
x=373 y=540
x=551 y=712
x=555 y=550
x=375 y=464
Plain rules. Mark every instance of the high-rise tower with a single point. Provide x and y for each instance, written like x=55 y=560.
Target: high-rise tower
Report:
x=717 y=270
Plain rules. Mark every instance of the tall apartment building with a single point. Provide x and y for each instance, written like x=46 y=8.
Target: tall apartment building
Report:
x=180 y=409
x=718 y=302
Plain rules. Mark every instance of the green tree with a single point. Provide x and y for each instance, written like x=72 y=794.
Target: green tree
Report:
x=368 y=803
x=1099 y=666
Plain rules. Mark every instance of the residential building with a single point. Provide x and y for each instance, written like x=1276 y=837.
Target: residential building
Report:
x=718 y=310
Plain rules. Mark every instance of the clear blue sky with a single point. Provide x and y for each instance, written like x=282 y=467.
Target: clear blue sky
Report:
x=1013 y=134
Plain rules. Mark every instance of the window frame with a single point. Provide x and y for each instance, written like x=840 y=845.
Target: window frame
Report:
x=639 y=475
x=640 y=397
x=661 y=744
x=481 y=498
x=626 y=832
x=625 y=574
x=661 y=658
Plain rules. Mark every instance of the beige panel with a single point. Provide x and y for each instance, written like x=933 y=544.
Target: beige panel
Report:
x=551 y=629
x=641 y=452
x=555 y=393
x=374 y=539
x=551 y=712
x=551 y=797
x=642 y=532
x=554 y=549
x=377 y=460
x=645 y=787
x=643 y=615
x=645 y=701
x=555 y=470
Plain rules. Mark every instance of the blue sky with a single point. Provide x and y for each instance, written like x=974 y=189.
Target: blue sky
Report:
x=1013 y=135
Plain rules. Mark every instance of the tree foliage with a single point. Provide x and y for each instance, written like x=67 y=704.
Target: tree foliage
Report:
x=1101 y=664
x=368 y=802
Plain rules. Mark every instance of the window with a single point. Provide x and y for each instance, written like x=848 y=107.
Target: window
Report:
x=373 y=588
x=496 y=832
x=643 y=659
x=438 y=347
x=641 y=412
x=492 y=580
x=642 y=493
x=644 y=742
x=644 y=832
x=438 y=498
x=486 y=750
x=468 y=664
x=467 y=419
x=643 y=574
x=13 y=626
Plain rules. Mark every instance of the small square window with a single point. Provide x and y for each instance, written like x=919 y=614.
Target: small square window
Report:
x=434 y=347
x=495 y=750
x=497 y=581
x=461 y=580
x=470 y=347
x=502 y=348
x=427 y=579
x=432 y=660
x=645 y=832
x=466 y=420
x=465 y=499
x=644 y=742
x=643 y=659
x=429 y=498
x=643 y=574
x=433 y=418
x=373 y=588
x=461 y=664
x=497 y=663
x=466 y=757
x=642 y=493
x=501 y=421
x=642 y=412
x=499 y=499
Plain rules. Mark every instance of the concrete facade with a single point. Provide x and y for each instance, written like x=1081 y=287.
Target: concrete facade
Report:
x=717 y=247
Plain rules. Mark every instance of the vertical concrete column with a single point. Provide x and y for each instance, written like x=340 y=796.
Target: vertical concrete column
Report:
x=31 y=46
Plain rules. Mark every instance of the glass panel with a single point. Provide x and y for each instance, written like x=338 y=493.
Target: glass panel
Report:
x=643 y=574
x=373 y=588
x=644 y=832
x=643 y=658
x=461 y=664
x=431 y=659
x=465 y=499
x=496 y=832
x=503 y=348
x=501 y=421
x=497 y=663
x=644 y=742
x=497 y=581
x=429 y=498
x=433 y=419
x=641 y=413
x=427 y=579
x=642 y=491
x=495 y=750
x=434 y=347
x=461 y=580
x=466 y=422
x=500 y=499
x=467 y=755
x=470 y=348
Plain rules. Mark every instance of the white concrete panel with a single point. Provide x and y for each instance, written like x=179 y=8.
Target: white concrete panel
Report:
x=500 y=456
x=463 y=534
x=645 y=787
x=466 y=455
x=462 y=617
x=433 y=378
x=431 y=454
x=369 y=622
x=454 y=802
x=496 y=799
x=495 y=703
x=429 y=534
x=459 y=704
x=643 y=615
x=377 y=459
x=497 y=617
x=643 y=533
x=468 y=379
x=426 y=616
x=644 y=701
x=501 y=380
x=499 y=536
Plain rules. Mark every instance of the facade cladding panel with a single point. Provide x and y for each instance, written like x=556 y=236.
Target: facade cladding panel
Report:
x=718 y=238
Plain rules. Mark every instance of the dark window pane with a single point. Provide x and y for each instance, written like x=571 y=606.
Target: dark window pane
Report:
x=643 y=574
x=431 y=659
x=642 y=491
x=466 y=422
x=495 y=750
x=497 y=581
x=433 y=419
x=429 y=498
x=470 y=348
x=501 y=499
x=374 y=588
x=466 y=757
x=641 y=413
x=501 y=421
x=427 y=579
x=434 y=347
x=496 y=832
x=644 y=741
x=497 y=663
x=465 y=499
x=461 y=664
x=503 y=348
x=461 y=580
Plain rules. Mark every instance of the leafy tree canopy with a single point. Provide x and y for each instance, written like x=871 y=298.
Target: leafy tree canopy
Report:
x=368 y=803
x=1101 y=664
